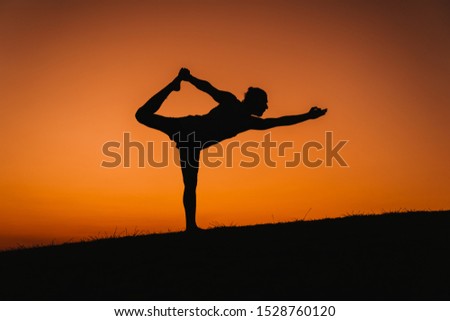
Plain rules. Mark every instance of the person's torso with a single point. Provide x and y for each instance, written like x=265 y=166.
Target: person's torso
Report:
x=222 y=122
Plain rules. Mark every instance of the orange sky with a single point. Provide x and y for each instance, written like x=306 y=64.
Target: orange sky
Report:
x=74 y=73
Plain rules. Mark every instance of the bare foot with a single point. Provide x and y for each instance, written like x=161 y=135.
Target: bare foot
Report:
x=194 y=230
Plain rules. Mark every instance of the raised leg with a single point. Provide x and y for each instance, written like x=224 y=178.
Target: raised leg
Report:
x=146 y=114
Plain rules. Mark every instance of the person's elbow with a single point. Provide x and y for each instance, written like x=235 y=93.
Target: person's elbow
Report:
x=263 y=124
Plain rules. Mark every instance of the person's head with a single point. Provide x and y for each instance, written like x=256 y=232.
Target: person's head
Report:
x=256 y=101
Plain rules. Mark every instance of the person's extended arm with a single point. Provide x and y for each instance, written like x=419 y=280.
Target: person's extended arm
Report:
x=267 y=123
x=203 y=85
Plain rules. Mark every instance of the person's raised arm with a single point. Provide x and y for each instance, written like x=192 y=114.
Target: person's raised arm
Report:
x=203 y=85
x=266 y=123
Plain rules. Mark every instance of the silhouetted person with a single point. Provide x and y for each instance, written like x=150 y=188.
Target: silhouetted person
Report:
x=194 y=133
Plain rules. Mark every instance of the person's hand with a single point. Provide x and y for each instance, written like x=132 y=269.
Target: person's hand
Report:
x=184 y=74
x=316 y=112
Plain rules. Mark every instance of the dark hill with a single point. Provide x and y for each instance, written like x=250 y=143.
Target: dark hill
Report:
x=403 y=256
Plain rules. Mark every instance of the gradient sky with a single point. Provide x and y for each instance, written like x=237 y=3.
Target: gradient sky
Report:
x=73 y=74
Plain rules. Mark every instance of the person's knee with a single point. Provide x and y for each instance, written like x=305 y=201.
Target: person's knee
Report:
x=190 y=185
x=147 y=118
x=141 y=116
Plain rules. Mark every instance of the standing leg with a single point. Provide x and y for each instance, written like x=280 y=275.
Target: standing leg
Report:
x=189 y=162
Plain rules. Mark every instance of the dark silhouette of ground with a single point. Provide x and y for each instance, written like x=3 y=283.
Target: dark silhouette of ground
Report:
x=192 y=134
x=402 y=256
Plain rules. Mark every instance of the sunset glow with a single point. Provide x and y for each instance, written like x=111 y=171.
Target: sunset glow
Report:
x=75 y=72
